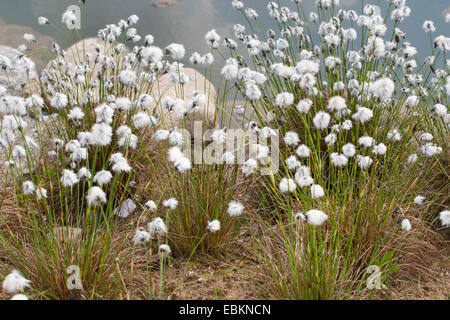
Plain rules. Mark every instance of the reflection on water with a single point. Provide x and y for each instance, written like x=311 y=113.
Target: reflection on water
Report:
x=188 y=20
x=165 y=3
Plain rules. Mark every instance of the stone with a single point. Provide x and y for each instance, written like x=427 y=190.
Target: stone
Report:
x=77 y=53
x=12 y=35
x=230 y=119
x=163 y=88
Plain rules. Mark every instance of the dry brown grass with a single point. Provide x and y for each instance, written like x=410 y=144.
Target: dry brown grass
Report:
x=227 y=278
x=424 y=267
x=423 y=273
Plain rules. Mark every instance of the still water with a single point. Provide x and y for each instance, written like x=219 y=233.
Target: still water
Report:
x=188 y=20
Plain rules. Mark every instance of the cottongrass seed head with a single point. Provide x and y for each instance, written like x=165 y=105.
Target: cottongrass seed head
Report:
x=15 y=282
x=316 y=217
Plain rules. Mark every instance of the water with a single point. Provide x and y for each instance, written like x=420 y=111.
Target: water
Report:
x=188 y=21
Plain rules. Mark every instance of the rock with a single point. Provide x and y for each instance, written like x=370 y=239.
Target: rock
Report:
x=12 y=35
x=20 y=72
x=233 y=120
x=163 y=88
x=78 y=51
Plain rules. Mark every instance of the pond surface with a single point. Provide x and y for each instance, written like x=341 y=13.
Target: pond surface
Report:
x=188 y=20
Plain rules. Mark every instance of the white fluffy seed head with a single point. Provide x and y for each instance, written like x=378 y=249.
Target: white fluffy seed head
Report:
x=291 y=138
x=444 y=216
x=213 y=226
x=15 y=282
x=336 y=103
x=141 y=237
x=287 y=185
x=171 y=203
x=317 y=191
x=157 y=228
x=321 y=120
x=284 y=99
x=406 y=225
x=95 y=196
x=235 y=209
x=316 y=217
x=304 y=105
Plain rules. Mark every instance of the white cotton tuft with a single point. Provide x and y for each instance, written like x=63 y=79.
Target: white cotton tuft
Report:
x=364 y=161
x=291 y=138
x=287 y=185
x=59 y=101
x=348 y=150
x=102 y=177
x=213 y=226
x=175 y=51
x=164 y=250
x=317 y=191
x=28 y=187
x=299 y=216
x=249 y=167
x=15 y=282
x=363 y=114
x=19 y=296
x=171 y=203
x=151 y=205
x=69 y=178
x=141 y=236
x=419 y=200
x=382 y=88
x=95 y=196
x=235 y=209
x=316 y=217
x=366 y=141
x=304 y=105
x=292 y=162
x=157 y=228
x=228 y=157
x=444 y=216
x=284 y=99
x=303 y=151
x=406 y=225
x=379 y=149
x=412 y=158
x=336 y=103
x=321 y=120
x=338 y=160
